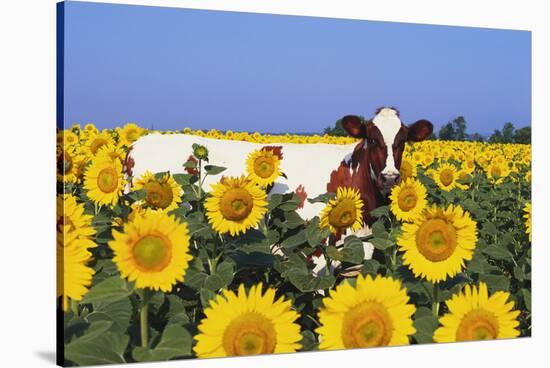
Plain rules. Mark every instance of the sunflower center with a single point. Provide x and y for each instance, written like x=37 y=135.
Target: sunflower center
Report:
x=158 y=195
x=236 y=204
x=264 y=167
x=478 y=324
x=367 y=324
x=107 y=180
x=250 y=334
x=152 y=253
x=407 y=200
x=97 y=144
x=343 y=215
x=446 y=176
x=436 y=240
x=496 y=171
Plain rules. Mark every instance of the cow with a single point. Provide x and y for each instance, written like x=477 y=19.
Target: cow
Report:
x=371 y=165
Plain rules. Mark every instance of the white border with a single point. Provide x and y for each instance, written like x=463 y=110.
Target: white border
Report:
x=27 y=118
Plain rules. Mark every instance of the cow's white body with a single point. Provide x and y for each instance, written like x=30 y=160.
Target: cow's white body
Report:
x=308 y=165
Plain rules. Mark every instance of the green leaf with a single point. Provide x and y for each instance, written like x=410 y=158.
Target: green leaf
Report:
x=294 y=240
x=489 y=228
x=221 y=278
x=334 y=254
x=275 y=200
x=322 y=198
x=379 y=230
x=118 y=312
x=214 y=170
x=99 y=345
x=176 y=310
x=189 y=164
x=183 y=179
x=353 y=250
x=495 y=282
x=290 y=202
x=425 y=323
x=371 y=266
x=175 y=342
x=497 y=252
x=309 y=342
x=300 y=276
x=314 y=234
x=109 y=290
x=526 y=298
x=292 y=220
x=380 y=211
x=194 y=276
x=205 y=296
x=380 y=243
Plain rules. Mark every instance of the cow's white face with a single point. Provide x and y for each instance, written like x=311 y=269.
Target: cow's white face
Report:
x=384 y=143
x=388 y=123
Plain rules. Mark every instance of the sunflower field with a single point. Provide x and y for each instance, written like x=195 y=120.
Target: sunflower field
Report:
x=161 y=267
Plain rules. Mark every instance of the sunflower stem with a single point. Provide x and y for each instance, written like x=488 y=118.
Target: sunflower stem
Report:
x=435 y=305
x=144 y=317
x=200 y=178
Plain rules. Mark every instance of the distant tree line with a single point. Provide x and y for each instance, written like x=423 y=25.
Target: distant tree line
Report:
x=456 y=130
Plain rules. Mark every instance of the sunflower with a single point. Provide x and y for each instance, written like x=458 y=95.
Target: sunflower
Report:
x=74 y=277
x=263 y=167
x=446 y=177
x=66 y=167
x=71 y=218
x=160 y=193
x=248 y=324
x=497 y=172
x=235 y=205
x=129 y=134
x=104 y=181
x=374 y=312
x=113 y=150
x=528 y=219
x=474 y=315
x=152 y=250
x=408 y=168
x=408 y=199
x=438 y=242
x=89 y=129
x=344 y=211
x=97 y=141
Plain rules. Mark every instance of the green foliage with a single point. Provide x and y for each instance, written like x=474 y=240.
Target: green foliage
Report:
x=104 y=327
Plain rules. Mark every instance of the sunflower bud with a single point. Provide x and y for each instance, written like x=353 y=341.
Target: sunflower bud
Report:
x=200 y=152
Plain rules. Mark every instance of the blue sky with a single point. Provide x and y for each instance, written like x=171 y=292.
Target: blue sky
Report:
x=175 y=68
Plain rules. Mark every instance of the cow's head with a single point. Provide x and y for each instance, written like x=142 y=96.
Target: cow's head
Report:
x=384 y=137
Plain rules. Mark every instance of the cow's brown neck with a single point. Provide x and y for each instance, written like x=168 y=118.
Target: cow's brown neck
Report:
x=356 y=173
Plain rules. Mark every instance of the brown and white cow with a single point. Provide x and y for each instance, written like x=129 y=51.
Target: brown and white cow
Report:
x=371 y=166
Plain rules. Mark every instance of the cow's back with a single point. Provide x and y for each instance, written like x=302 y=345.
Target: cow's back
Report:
x=308 y=165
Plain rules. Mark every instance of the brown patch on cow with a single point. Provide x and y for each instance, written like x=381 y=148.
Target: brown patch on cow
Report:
x=276 y=150
x=192 y=170
x=340 y=177
x=301 y=193
x=128 y=164
x=386 y=107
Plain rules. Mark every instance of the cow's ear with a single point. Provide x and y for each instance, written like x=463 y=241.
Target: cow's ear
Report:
x=420 y=130
x=354 y=126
